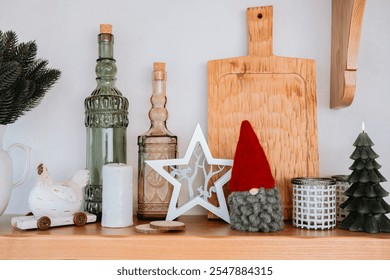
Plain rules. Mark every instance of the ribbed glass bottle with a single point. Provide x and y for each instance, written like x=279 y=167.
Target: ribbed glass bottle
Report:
x=106 y=120
x=154 y=192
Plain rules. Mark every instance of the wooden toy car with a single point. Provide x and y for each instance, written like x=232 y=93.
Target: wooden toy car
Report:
x=45 y=222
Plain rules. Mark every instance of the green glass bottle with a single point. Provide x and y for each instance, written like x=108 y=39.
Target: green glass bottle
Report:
x=106 y=120
x=154 y=192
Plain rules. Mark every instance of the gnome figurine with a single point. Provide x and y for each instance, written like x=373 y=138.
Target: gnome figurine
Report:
x=254 y=201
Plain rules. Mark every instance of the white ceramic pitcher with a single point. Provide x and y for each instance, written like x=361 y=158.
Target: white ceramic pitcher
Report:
x=6 y=170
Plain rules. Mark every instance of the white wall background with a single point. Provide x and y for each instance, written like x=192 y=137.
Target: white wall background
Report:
x=185 y=34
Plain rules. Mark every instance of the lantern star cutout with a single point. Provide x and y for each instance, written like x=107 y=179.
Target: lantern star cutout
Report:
x=204 y=164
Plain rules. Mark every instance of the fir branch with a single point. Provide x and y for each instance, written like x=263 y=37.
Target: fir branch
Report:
x=24 y=80
x=2 y=47
x=9 y=73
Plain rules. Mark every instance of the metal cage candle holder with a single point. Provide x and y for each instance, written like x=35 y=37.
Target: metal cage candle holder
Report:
x=314 y=203
x=341 y=186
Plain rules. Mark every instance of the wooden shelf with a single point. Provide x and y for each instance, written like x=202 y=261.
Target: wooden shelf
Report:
x=202 y=239
x=347 y=21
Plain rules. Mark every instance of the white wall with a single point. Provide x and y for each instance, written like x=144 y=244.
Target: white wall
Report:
x=185 y=34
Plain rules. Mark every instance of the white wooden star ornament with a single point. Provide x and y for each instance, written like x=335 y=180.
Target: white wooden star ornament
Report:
x=203 y=164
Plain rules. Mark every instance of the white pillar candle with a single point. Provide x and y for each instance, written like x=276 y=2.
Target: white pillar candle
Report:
x=117 y=195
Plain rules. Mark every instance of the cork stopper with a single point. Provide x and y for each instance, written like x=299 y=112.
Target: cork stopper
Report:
x=106 y=28
x=159 y=66
x=159 y=71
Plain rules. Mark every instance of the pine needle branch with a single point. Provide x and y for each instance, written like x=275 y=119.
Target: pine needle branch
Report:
x=24 y=80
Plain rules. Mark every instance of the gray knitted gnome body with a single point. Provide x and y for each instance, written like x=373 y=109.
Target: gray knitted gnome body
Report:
x=254 y=202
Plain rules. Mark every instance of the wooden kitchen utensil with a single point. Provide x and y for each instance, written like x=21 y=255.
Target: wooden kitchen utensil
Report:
x=276 y=94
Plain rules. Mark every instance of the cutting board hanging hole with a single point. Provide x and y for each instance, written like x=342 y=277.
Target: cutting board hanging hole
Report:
x=260 y=16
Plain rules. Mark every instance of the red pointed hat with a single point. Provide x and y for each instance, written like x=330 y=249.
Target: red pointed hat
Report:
x=250 y=167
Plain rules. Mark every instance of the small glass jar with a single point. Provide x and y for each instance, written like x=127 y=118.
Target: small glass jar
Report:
x=314 y=202
x=341 y=186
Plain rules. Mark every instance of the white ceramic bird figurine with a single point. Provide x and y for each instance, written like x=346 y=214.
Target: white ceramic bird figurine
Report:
x=48 y=198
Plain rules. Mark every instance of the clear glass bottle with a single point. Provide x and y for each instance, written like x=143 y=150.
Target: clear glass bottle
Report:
x=106 y=120
x=154 y=192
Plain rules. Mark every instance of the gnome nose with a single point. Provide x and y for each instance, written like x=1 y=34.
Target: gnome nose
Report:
x=254 y=191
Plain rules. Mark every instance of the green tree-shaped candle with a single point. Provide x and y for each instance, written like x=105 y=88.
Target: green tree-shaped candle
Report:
x=365 y=195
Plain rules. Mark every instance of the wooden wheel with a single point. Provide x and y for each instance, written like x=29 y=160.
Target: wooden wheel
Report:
x=43 y=223
x=80 y=219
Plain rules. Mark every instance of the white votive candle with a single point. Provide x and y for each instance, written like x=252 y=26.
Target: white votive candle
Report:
x=117 y=195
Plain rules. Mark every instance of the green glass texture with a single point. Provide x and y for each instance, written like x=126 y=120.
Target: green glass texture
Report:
x=106 y=121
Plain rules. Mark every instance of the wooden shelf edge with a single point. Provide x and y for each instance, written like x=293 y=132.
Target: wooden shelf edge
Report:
x=203 y=239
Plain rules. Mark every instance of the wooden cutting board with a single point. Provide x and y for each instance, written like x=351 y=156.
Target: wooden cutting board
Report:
x=276 y=94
